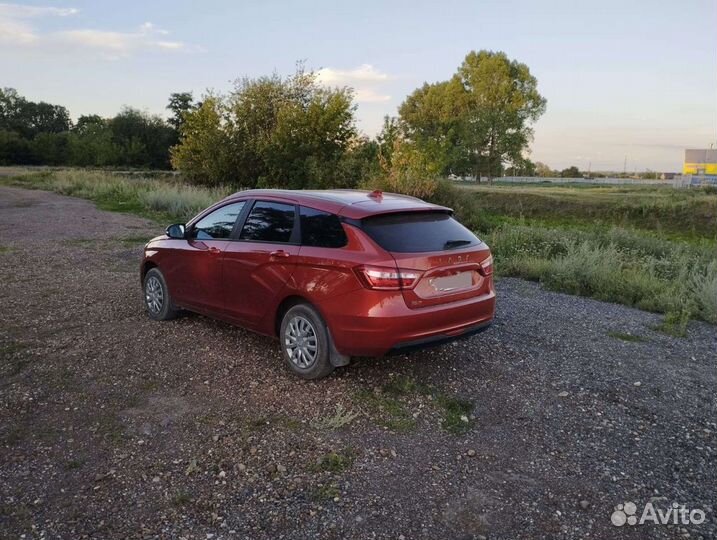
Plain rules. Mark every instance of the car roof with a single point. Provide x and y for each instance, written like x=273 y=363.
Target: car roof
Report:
x=350 y=203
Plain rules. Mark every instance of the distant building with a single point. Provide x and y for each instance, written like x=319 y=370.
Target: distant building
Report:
x=700 y=162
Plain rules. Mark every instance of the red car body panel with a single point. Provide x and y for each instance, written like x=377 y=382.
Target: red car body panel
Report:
x=247 y=283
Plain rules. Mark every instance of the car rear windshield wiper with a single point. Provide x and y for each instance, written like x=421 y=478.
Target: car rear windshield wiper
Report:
x=456 y=243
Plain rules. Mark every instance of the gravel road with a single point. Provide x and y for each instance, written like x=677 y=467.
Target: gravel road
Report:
x=113 y=426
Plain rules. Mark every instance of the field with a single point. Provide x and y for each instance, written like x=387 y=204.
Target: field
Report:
x=643 y=246
x=648 y=247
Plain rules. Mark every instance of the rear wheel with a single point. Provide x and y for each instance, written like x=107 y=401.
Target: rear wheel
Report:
x=157 y=298
x=304 y=342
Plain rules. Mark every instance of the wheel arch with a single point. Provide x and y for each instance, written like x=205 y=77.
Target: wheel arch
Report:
x=285 y=305
x=336 y=358
x=146 y=267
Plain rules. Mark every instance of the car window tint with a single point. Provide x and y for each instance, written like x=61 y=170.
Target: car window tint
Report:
x=417 y=232
x=219 y=224
x=269 y=222
x=321 y=229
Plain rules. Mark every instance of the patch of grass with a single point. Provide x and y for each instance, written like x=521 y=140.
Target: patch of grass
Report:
x=386 y=410
x=388 y=406
x=326 y=492
x=135 y=240
x=5 y=249
x=335 y=461
x=14 y=435
x=339 y=418
x=11 y=361
x=674 y=324
x=110 y=427
x=74 y=464
x=404 y=386
x=181 y=498
x=626 y=337
x=456 y=413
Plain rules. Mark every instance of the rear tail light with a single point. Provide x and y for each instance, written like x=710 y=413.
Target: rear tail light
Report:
x=386 y=278
x=486 y=266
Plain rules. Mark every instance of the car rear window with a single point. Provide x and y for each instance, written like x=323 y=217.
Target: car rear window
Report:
x=418 y=232
x=321 y=229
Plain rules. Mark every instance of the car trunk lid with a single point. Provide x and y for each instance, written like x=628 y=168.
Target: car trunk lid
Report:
x=451 y=262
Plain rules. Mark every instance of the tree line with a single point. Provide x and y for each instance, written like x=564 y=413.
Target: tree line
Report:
x=293 y=132
x=39 y=133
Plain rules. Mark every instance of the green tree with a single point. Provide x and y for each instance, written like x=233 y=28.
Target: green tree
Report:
x=271 y=132
x=144 y=140
x=390 y=133
x=50 y=148
x=14 y=149
x=180 y=103
x=570 y=172
x=205 y=153
x=542 y=170
x=28 y=118
x=478 y=120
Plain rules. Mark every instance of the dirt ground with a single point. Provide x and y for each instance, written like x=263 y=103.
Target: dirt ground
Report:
x=114 y=426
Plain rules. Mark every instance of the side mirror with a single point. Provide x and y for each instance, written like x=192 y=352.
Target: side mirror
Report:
x=176 y=231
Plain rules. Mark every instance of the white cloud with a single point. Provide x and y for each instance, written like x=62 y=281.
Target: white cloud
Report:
x=117 y=44
x=12 y=32
x=17 y=11
x=363 y=73
x=16 y=30
x=364 y=79
x=369 y=95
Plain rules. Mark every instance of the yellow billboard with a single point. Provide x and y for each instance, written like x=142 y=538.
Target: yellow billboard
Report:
x=699 y=162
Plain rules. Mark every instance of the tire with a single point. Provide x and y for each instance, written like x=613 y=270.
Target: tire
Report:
x=304 y=327
x=157 y=299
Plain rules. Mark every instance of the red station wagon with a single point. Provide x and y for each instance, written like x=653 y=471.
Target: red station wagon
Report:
x=333 y=274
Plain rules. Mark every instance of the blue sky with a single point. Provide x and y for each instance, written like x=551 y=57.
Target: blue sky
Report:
x=635 y=79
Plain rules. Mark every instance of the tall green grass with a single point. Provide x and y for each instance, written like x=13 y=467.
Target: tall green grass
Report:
x=160 y=199
x=616 y=265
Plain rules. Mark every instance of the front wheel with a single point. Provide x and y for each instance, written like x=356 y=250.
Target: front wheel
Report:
x=305 y=343
x=157 y=298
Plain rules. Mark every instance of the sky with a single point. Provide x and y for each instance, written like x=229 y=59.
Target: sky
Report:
x=629 y=84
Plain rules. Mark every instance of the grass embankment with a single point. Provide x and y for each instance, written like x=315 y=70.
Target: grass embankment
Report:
x=164 y=200
x=643 y=246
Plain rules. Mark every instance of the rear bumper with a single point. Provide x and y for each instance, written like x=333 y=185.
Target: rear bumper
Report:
x=438 y=339
x=374 y=323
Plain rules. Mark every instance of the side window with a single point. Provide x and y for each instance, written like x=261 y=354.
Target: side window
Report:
x=321 y=229
x=269 y=222
x=219 y=224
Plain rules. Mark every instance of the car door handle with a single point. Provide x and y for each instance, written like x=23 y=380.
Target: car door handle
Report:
x=214 y=250
x=280 y=253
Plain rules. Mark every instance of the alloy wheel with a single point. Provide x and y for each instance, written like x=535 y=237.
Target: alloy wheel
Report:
x=300 y=342
x=153 y=294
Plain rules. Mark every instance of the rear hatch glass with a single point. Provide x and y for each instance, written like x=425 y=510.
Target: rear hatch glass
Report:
x=418 y=232
x=447 y=255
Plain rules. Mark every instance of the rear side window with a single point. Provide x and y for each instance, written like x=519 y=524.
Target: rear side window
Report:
x=219 y=224
x=321 y=229
x=418 y=232
x=269 y=222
